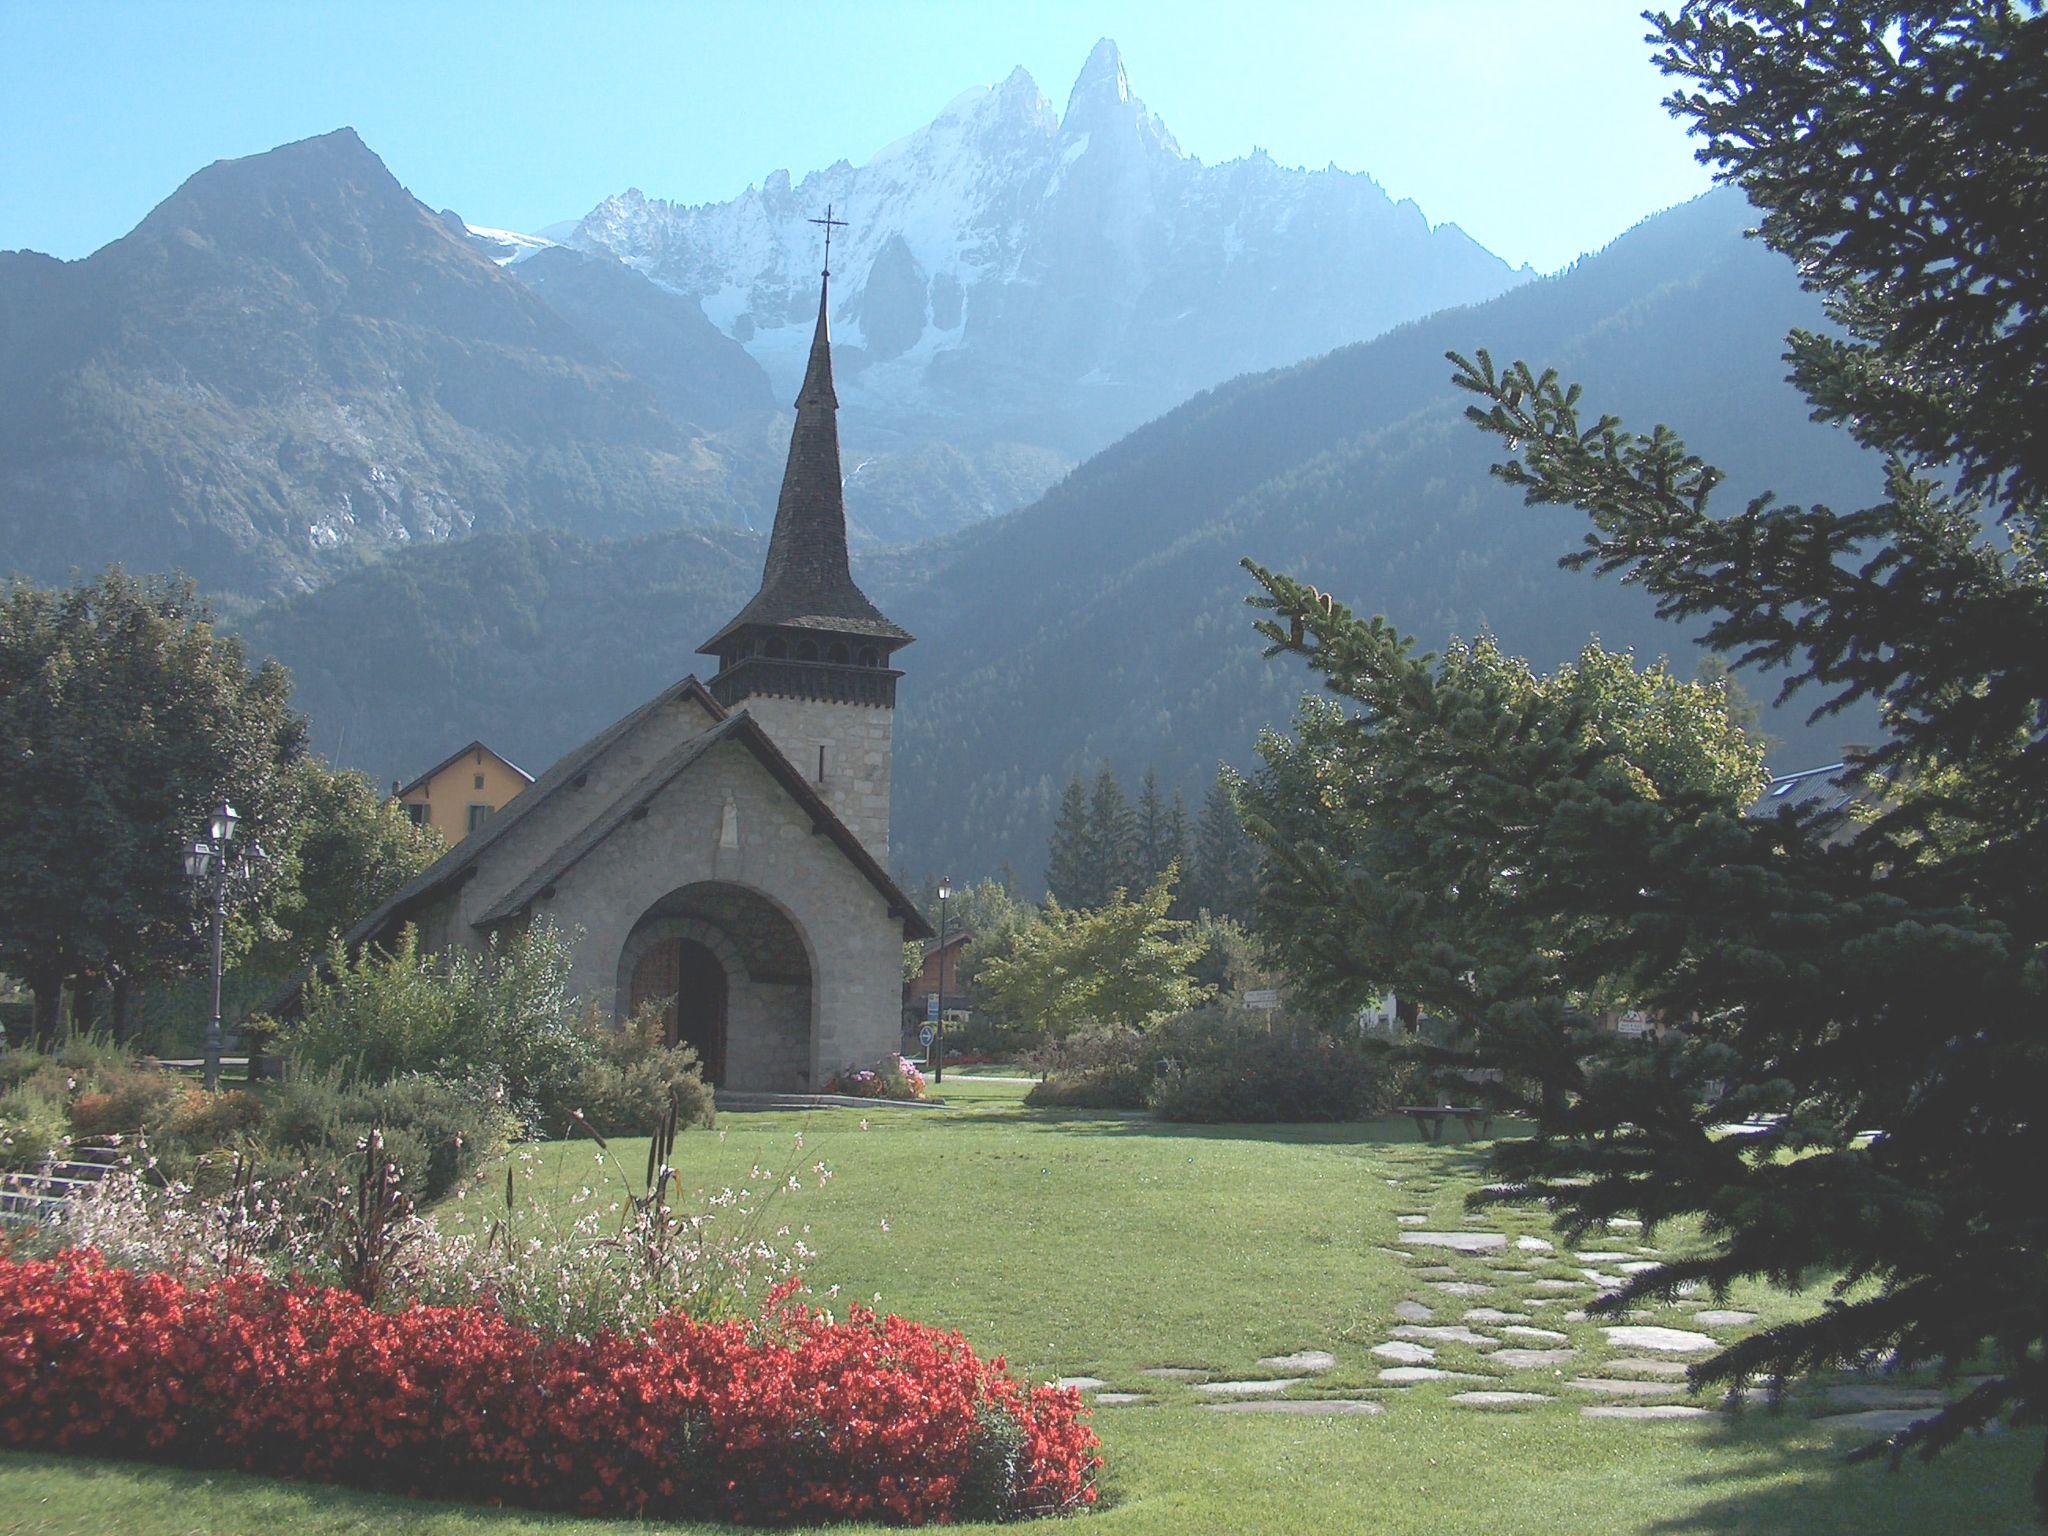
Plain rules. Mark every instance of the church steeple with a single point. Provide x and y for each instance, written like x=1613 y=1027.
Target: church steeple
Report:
x=810 y=632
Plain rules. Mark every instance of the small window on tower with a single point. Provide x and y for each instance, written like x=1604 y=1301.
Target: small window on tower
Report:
x=821 y=762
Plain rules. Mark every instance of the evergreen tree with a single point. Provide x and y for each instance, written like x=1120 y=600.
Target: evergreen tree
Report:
x=1112 y=841
x=1154 y=829
x=1868 y=997
x=1174 y=853
x=1225 y=859
x=1069 y=876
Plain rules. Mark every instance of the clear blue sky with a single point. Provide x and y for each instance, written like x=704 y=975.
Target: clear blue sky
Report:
x=1535 y=124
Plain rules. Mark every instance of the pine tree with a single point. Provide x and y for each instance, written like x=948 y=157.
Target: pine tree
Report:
x=1153 y=829
x=1069 y=876
x=1867 y=993
x=1225 y=860
x=1112 y=841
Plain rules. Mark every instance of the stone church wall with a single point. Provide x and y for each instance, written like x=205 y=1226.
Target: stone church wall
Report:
x=856 y=738
x=853 y=945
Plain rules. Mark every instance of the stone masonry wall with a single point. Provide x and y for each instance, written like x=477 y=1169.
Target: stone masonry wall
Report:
x=856 y=738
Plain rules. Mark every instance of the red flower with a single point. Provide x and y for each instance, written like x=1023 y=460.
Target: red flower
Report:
x=790 y=1417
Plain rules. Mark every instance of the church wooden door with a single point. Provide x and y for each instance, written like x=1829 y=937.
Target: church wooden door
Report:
x=690 y=977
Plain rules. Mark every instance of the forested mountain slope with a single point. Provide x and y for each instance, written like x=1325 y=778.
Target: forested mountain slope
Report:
x=1106 y=621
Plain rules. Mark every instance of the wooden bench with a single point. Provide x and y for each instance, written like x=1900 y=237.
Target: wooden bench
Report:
x=1429 y=1119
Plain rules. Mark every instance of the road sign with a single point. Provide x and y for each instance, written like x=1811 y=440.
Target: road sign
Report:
x=931 y=1006
x=926 y=1035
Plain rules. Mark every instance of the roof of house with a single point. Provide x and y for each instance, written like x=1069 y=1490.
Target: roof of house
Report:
x=460 y=861
x=1826 y=788
x=455 y=757
x=806 y=582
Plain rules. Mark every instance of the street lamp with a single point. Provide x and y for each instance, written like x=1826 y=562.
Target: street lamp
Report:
x=206 y=865
x=939 y=1040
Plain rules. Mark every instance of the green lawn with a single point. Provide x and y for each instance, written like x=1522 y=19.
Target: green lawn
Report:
x=1100 y=1245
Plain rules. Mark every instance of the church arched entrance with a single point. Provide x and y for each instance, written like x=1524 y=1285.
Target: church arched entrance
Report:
x=732 y=973
x=688 y=981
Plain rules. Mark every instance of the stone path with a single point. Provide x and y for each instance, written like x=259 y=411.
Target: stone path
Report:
x=1528 y=1345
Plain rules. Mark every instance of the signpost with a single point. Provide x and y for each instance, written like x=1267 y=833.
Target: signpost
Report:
x=925 y=1037
x=1265 y=999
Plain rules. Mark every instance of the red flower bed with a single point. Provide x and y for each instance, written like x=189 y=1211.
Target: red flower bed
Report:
x=791 y=1419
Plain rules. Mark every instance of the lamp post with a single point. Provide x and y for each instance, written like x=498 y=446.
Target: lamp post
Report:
x=939 y=1041
x=206 y=864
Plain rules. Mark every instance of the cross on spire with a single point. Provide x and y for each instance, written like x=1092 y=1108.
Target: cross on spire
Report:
x=829 y=224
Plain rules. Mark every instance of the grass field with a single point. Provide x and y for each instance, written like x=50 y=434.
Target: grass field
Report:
x=1098 y=1245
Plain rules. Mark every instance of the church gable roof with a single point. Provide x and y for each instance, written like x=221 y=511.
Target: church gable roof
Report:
x=806 y=582
x=746 y=731
x=459 y=863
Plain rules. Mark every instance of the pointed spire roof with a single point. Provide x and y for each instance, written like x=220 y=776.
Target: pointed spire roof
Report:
x=807 y=583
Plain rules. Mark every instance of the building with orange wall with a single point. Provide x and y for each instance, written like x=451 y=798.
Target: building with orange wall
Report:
x=461 y=792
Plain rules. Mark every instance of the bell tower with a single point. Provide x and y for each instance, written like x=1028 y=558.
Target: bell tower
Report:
x=810 y=656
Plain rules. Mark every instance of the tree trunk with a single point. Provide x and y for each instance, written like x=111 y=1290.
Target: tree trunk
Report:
x=117 y=1010
x=49 y=995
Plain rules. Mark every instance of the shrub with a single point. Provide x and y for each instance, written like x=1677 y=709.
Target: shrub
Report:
x=629 y=1081
x=438 y=1132
x=506 y=1013
x=1106 y=1069
x=890 y=1078
x=204 y=1121
x=31 y=1129
x=125 y=1099
x=784 y=1418
x=1224 y=1063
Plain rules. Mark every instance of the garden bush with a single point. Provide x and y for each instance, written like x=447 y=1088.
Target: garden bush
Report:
x=1225 y=1063
x=1099 y=1069
x=31 y=1129
x=438 y=1132
x=1232 y=1064
x=629 y=1081
x=787 y=1417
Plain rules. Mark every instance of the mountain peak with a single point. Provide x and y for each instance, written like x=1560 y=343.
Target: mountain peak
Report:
x=1102 y=78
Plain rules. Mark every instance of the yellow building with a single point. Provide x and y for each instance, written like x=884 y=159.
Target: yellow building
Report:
x=460 y=793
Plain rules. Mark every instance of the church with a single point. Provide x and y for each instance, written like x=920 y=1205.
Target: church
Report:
x=723 y=849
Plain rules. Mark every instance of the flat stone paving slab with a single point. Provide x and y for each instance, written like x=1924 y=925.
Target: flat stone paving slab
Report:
x=1118 y=1399
x=1532 y=1359
x=1557 y=1285
x=1412 y=1221
x=1462 y=1287
x=1174 y=1372
x=1433 y=1271
x=1083 y=1383
x=1401 y=1352
x=1495 y=1315
x=1603 y=1256
x=1533 y=1244
x=1671 y=1370
x=1402 y=1375
x=1413 y=1312
x=1541 y=1335
x=1461 y=1242
x=1312 y=1407
x=1248 y=1388
x=1445 y=1333
x=1719 y=1319
x=1645 y=1411
x=1310 y=1360
x=1605 y=1386
x=1500 y=1399
x=1670 y=1341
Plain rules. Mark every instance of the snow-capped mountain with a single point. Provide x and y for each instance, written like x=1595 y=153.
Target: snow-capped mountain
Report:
x=1015 y=273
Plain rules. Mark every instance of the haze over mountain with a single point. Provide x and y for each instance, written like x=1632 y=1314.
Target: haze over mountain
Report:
x=1106 y=621
x=291 y=364
x=1015 y=274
